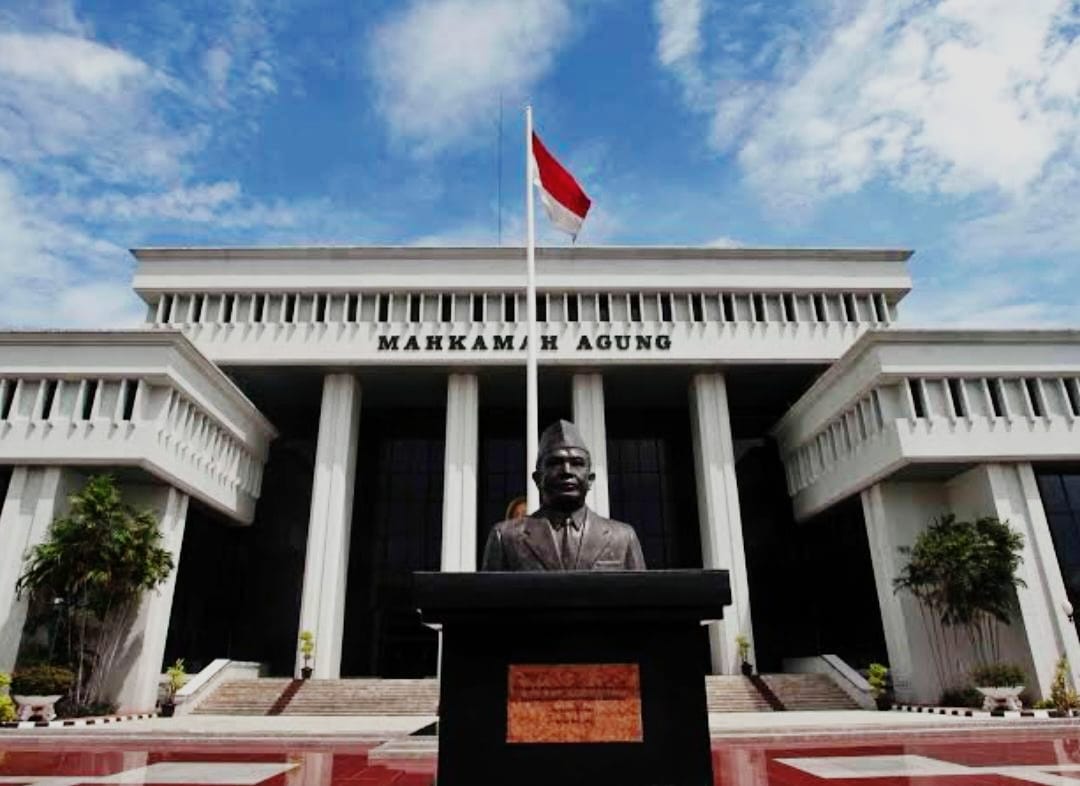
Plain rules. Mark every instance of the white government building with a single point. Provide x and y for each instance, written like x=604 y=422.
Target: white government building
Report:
x=314 y=424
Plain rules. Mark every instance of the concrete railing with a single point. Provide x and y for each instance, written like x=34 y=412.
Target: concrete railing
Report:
x=218 y=671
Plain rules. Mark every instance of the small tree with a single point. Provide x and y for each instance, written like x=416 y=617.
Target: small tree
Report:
x=94 y=567
x=963 y=574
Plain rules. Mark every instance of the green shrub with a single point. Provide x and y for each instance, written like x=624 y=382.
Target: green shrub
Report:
x=743 y=644
x=1062 y=697
x=998 y=675
x=177 y=677
x=42 y=680
x=67 y=708
x=961 y=697
x=7 y=706
x=878 y=677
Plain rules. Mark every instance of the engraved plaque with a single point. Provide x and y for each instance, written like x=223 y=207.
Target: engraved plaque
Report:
x=577 y=702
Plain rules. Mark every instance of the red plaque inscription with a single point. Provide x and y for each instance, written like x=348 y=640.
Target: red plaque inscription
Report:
x=574 y=703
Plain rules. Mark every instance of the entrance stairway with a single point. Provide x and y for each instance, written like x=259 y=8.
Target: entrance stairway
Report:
x=323 y=697
x=279 y=696
x=808 y=692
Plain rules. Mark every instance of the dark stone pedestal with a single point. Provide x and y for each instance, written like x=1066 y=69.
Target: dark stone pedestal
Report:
x=528 y=658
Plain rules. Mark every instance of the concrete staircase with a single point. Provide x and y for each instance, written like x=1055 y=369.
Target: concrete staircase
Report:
x=421 y=696
x=725 y=693
x=809 y=692
x=324 y=697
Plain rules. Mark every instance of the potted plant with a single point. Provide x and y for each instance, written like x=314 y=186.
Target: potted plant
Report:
x=877 y=675
x=743 y=643
x=1063 y=699
x=36 y=689
x=1000 y=684
x=7 y=706
x=176 y=676
x=307 y=649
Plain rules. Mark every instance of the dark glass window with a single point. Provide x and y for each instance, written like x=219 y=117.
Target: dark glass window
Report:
x=446 y=305
x=1060 y=492
x=478 y=308
x=541 y=308
x=571 y=308
x=635 y=307
x=397 y=529
x=509 y=307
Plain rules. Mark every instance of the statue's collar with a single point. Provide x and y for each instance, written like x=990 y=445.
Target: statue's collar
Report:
x=558 y=518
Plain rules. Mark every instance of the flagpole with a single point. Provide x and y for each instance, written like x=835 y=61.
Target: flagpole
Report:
x=532 y=413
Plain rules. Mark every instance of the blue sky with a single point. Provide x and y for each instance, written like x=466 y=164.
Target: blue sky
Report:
x=950 y=127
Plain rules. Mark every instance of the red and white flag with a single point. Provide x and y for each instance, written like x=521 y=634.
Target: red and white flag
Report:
x=566 y=203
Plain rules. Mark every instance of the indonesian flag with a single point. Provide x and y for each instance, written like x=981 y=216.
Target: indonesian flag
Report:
x=565 y=202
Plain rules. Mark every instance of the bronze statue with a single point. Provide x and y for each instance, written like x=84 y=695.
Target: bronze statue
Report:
x=563 y=534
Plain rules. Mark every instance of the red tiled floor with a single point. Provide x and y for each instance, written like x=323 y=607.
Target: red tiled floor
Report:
x=964 y=761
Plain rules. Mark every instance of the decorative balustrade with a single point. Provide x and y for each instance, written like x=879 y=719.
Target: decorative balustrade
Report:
x=182 y=422
x=877 y=411
x=346 y=308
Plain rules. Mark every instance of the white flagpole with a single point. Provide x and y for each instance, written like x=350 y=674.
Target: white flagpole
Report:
x=532 y=413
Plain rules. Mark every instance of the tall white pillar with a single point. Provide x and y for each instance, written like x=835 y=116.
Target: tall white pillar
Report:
x=138 y=665
x=326 y=565
x=718 y=510
x=459 y=478
x=1012 y=494
x=588 y=402
x=898 y=612
x=35 y=496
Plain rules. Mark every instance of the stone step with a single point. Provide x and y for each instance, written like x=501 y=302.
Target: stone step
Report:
x=420 y=697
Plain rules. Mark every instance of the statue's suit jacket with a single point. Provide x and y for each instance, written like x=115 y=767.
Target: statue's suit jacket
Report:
x=529 y=544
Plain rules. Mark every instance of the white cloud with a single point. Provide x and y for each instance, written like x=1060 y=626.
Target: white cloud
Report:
x=53 y=274
x=65 y=60
x=65 y=98
x=991 y=300
x=680 y=29
x=957 y=97
x=440 y=66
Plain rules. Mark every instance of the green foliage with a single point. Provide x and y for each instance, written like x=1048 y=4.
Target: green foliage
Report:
x=177 y=677
x=961 y=697
x=7 y=706
x=307 y=645
x=964 y=569
x=743 y=644
x=42 y=680
x=93 y=568
x=102 y=551
x=878 y=677
x=1062 y=697
x=998 y=675
x=963 y=574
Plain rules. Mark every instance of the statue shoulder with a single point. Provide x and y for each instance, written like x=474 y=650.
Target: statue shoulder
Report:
x=620 y=528
x=509 y=526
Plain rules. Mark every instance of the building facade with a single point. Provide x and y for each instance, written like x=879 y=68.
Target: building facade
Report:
x=314 y=424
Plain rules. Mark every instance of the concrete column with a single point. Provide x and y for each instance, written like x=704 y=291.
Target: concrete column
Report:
x=139 y=666
x=322 y=607
x=1010 y=492
x=588 y=401
x=885 y=542
x=35 y=496
x=718 y=510
x=459 y=479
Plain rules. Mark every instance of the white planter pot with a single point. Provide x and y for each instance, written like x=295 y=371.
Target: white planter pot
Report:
x=1001 y=698
x=37 y=705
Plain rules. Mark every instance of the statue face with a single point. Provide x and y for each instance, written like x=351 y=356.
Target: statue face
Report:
x=564 y=477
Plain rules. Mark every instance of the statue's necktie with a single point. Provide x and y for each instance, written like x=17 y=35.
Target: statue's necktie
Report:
x=564 y=546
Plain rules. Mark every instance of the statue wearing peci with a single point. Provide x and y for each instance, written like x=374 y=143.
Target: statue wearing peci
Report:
x=563 y=534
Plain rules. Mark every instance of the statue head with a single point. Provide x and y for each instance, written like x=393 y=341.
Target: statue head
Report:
x=563 y=467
